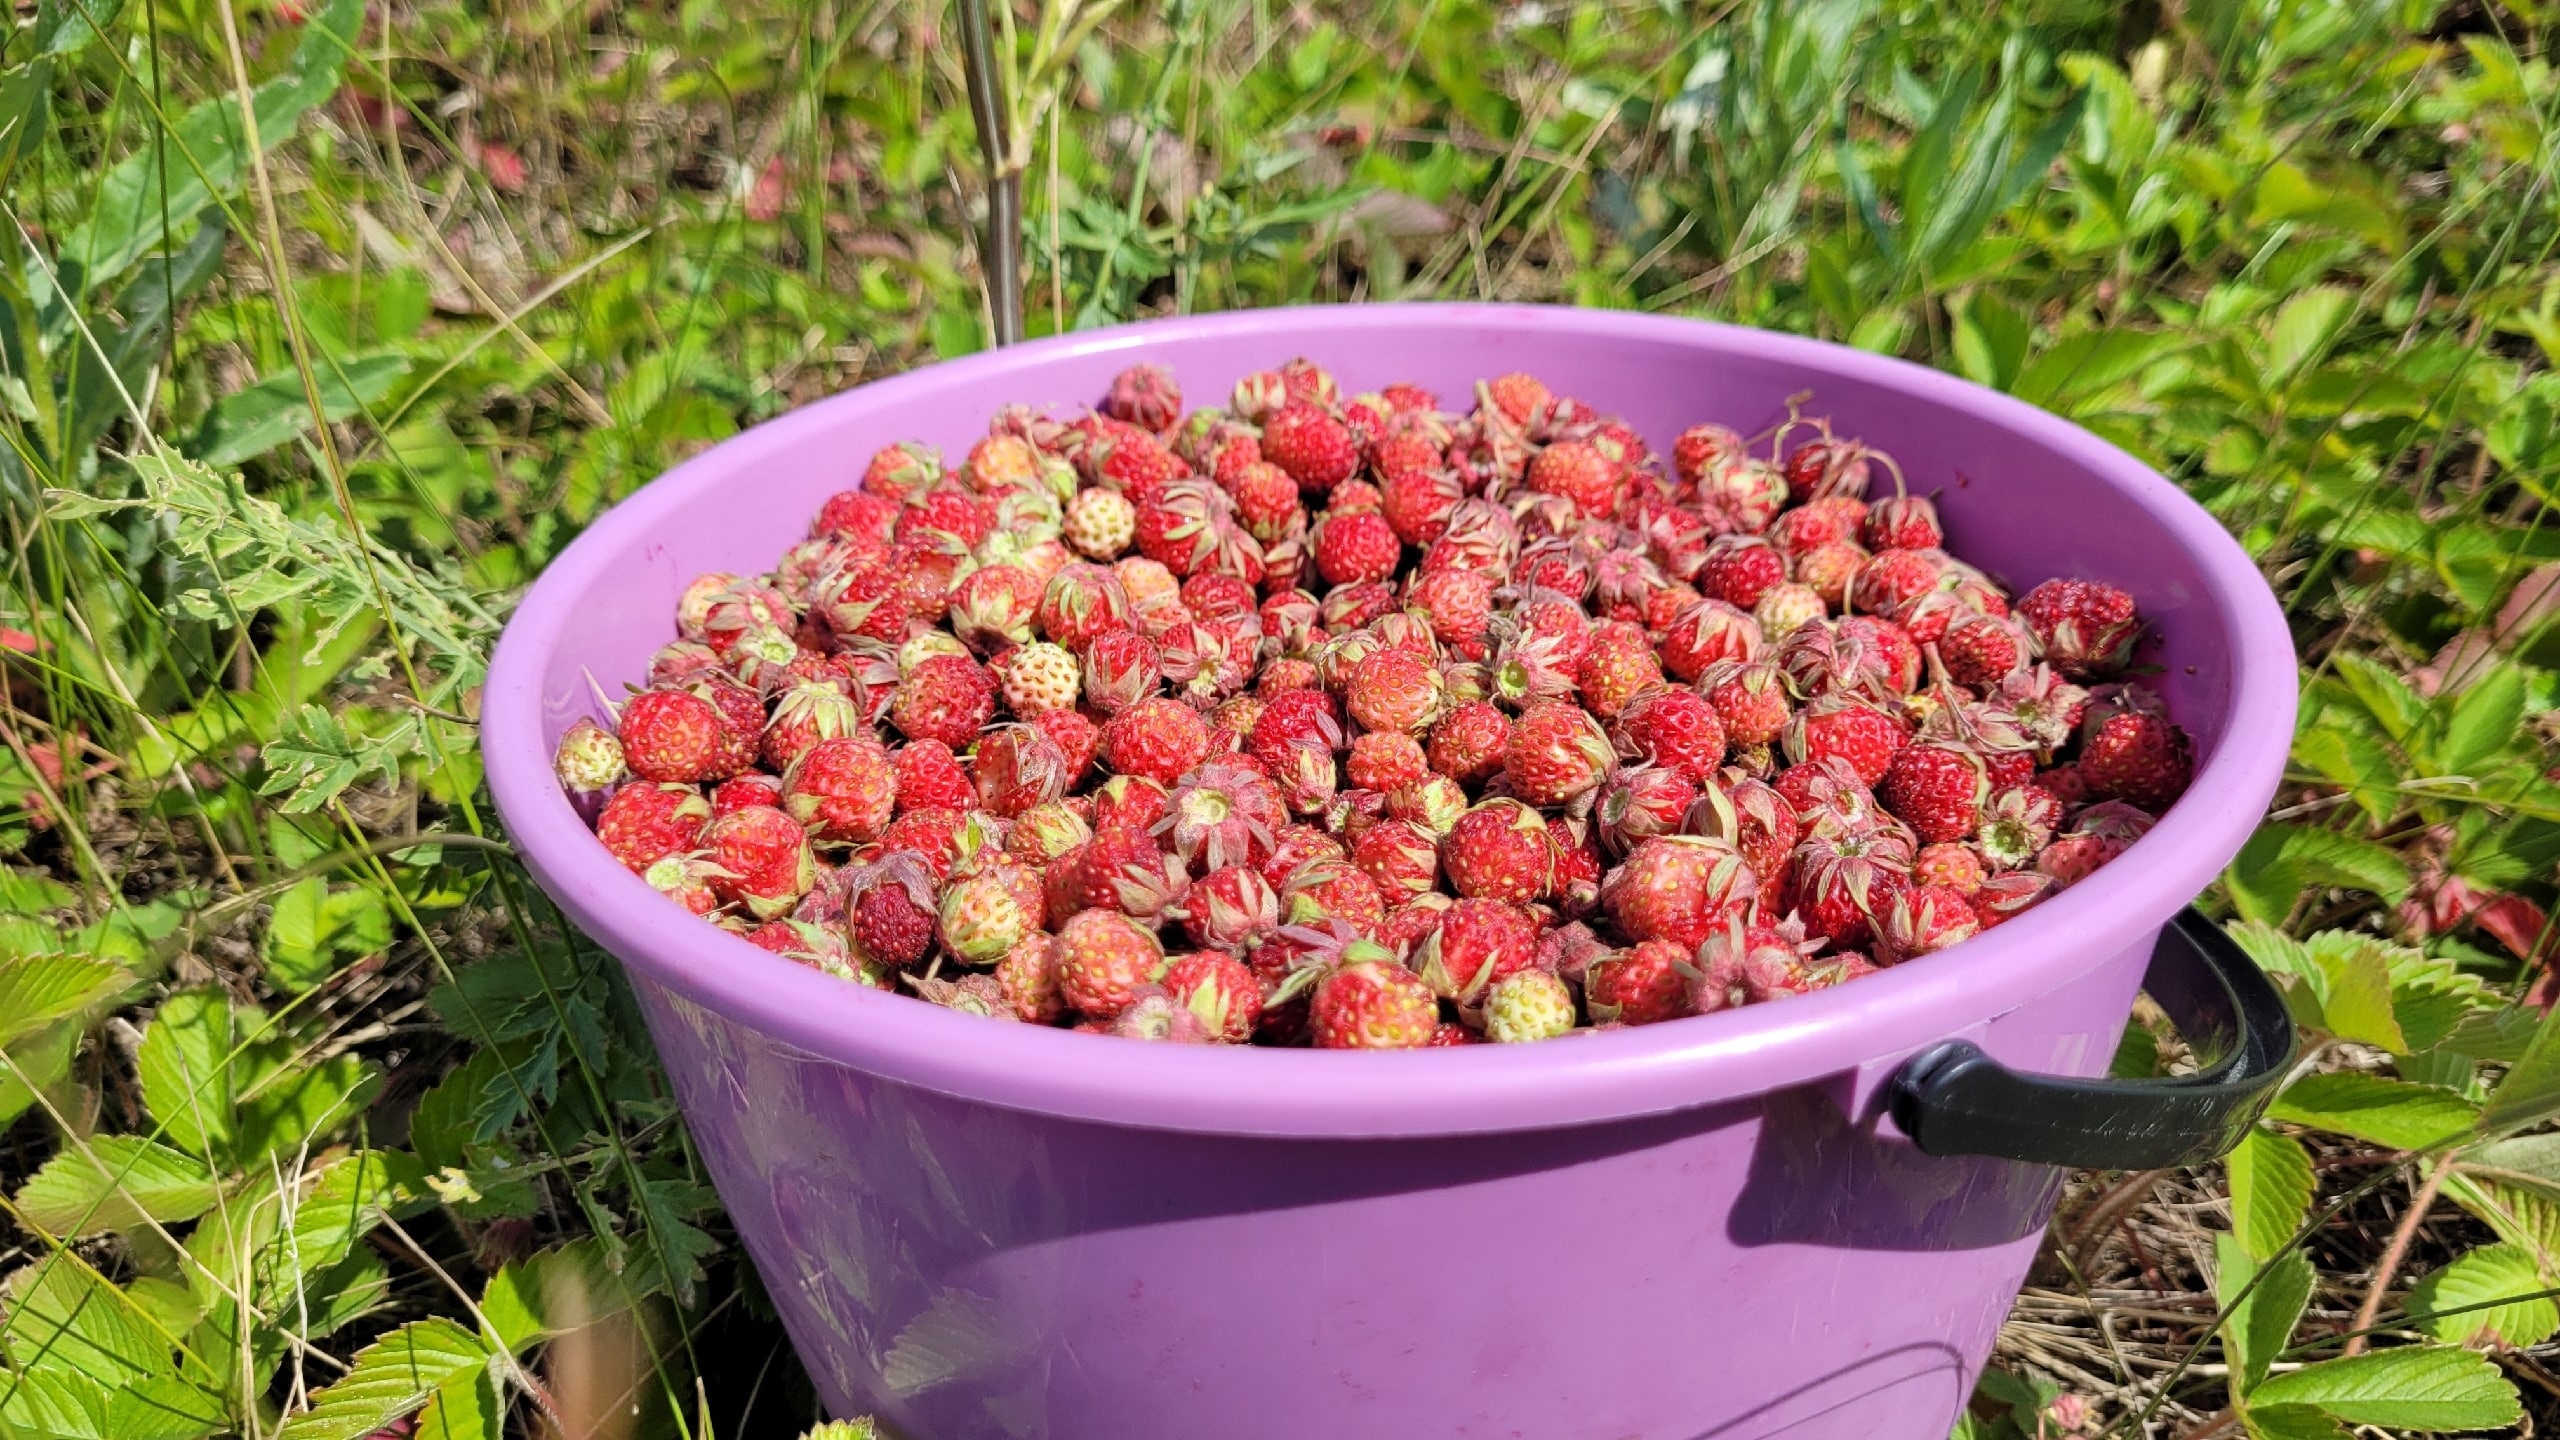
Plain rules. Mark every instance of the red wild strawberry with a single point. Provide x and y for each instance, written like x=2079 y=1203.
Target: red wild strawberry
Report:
x=1458 y=604
x=740 y=791
x=1077 y=738
x=1222 y=813
x=991 y=607
x=1499 y=851
x=1103 y=957
x=1937 y=790
x=647 y=822
x=1229 y=909
x=1144 y=395
x=1753 y=818
x=1294 y=846
x=1401 y=858
x=1620 y=663
x=1948 y=866
x=1467 y=744
x=1829 y=797
x=1080 y=602
x=1890 y=581
x=949 y=510
x=1220 y=991
x=1017 y=767
x=1394 y=690
x=2138 y=757
x=2016 y=824
x=685 y=879
x=1124 y=870
x=1267 y=501
x=2005 y=896
x=1417 y=492
x=675 y=736
x=2086 y=628
x=765 y=860
x=808 y=712
x=1677 y=729
x=1826 y=570
x=1027 y=977
x=1332 y=888
x=1640 y=802
x=1740 y=569
x=1386 y=761
x=1156 y=739
x=1707 y=633
x=1843 y=881
x=1981 y=650
x=844 y=790
x=1678 y=888
x=945 y=698
x=890 y=909
x=1905 y=522
x=1478 y=944
x=1355 y=546
x=1576 y=888
x=1121 y=668
x=1555 y=753
x=1831 y=521
x=1577 y=471
x=1750 y=699
x=1851 y=729
x=1130 y=802
x=1639 y=986
x=1316 y=449
x=902 y=471
x=1371 y=1003
x=1922 y=919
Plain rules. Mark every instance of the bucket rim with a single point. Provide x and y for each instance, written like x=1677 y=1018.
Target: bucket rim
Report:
x=1471 y=1089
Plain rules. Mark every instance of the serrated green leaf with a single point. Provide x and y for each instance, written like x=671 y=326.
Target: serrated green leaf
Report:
x=36 y=991
x=524 y=1301
x=2281 y=861
x=294 y=1103
x=62 y=1315
x=2529 y=1093
x=2494 y=1290
x=185 y=1065
x=2290 y=1422
x=2303 y=328
x=2085 y=364
x=2256 y=1326
x=2398 y=709
x=55 y=1404
x=2369 y=1107
x=390 y=1378
x=2356 y=1002
x=2420 y=1387
x=115 y=1182
x=2271 y=1187
x=466 y=1407
x=2483 y=722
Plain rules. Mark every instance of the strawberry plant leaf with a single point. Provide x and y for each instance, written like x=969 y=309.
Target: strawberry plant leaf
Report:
x=2482 y=723
x=37 y=990
x=2399 y=709
x=2490 y=1291
x=115 y=1182
x=391 y=1378
x=185 y=1066
x=2271 y=1187
x=2530 y=1091
x=2419 y=1387
x=63 y=1315
x=466 y=1407
x=2256 y=1326
x=2281 y=861
x=2356 y=1002
x=2290 y=1422
x=2303 y=328
x=2370 y=1107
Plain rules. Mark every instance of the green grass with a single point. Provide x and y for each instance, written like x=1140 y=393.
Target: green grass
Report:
x=311 y=1102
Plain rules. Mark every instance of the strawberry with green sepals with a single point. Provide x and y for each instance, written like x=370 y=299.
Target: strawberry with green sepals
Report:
x=890 y=909
x=1706 y=633
x=1103 y=957
x=1678 y=888
x=1844 y=880
x=2138 y=756
x=982 y=917
x=588 y=760
x=765 y=859
x=1015 y=768
x=2017 y=824
x=1156 y=739
x=1394 y=689
x=1499 y=851
x=1477 y=944
x=1229 y=909
x=1948 y=866
x=648 y=821
x=1847 y=728
x=1369 y=1002
x=1220 y=990
x=1940 y=791
x=678 y=737
x=1556 y=753
x=1639 y=802
x=1222 y=813
x=844 y=790
x=1755 y=819
x=2084 y=628
x=1922 y=919
x=1641 y=985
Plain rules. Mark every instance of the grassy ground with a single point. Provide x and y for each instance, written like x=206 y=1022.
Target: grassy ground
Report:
x=328 y=324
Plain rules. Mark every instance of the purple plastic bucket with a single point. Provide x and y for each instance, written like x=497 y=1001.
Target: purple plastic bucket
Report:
x=1704 y=1228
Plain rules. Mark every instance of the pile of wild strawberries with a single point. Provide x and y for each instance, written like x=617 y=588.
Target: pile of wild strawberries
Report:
x=1352 y=721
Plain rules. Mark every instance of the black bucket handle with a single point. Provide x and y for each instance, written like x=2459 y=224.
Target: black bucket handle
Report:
x=1952 y=1099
